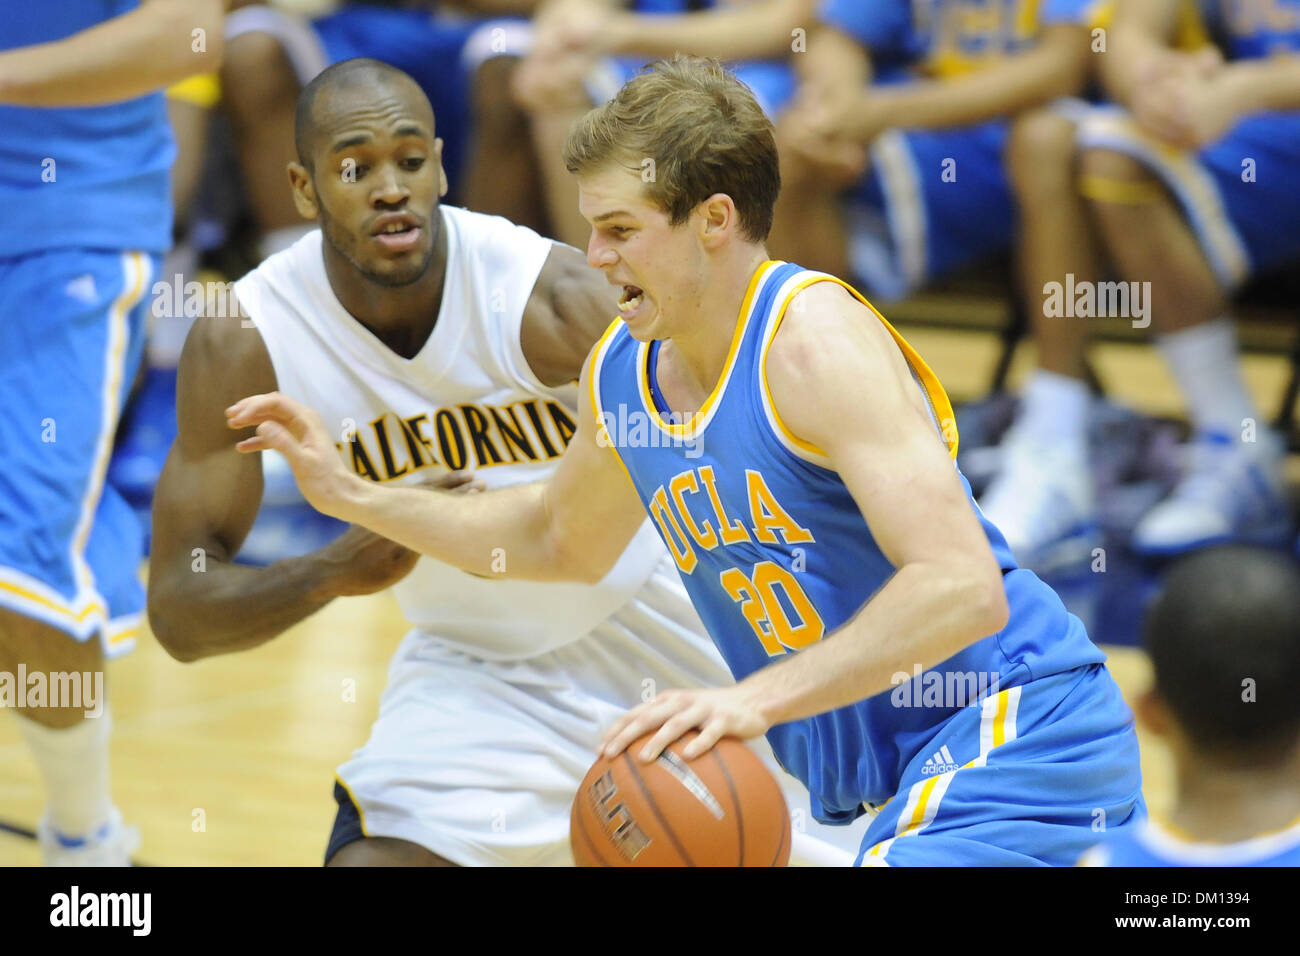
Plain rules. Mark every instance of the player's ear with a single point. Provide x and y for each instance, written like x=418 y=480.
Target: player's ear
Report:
x=442 y=173
x=718 y=218
x=1152 y=713
x=304 y=193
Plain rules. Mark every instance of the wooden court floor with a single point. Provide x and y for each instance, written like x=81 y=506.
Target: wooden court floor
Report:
x=230 y=761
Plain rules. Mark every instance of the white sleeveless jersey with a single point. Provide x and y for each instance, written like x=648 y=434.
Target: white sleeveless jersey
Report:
x=468 y=400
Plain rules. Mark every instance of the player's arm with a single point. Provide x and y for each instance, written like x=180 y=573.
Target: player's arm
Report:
x=572 y=527
x=1141 y=47
x=147 y=49
x=947 y=592
x=1053 y=67
x=200 y=602
x=746 y=30
x=569 y=308
x=1261 y=85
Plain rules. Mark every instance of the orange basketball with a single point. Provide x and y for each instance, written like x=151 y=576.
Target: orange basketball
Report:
x=721 y=809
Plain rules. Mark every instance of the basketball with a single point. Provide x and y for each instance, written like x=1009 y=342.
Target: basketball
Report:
x=721 y=809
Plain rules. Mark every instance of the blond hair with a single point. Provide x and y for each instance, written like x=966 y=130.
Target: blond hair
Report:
x=704 y=132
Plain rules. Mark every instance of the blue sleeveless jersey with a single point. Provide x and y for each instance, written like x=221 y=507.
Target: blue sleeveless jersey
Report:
x=776 y=554
x=87 y=177
x=1150 y=844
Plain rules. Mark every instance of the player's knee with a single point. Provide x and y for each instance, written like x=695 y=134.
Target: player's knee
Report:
x=1115 y=184
x=1108 y=164
x=43 y=649
x=385 y=851
x=256 y=77
x=1040 y=153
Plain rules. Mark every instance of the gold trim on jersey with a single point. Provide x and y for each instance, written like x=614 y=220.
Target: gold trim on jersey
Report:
x=1163 y=836
x=700 y=419
x=936 y=397
x=603 y=436
x=361 y=811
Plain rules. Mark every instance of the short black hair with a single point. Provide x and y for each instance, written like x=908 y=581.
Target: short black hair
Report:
x=1224 y=640
x=358 y=71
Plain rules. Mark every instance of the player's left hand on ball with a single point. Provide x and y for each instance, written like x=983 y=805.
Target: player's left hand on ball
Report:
x=716 y=713
x=297 y=433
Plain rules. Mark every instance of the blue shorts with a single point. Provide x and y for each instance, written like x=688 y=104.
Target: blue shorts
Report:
x=72 y=328
x=1238 y=194
x=1031 y=776
x=931 y=202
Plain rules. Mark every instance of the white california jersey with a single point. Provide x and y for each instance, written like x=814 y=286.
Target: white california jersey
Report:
x=468 y=400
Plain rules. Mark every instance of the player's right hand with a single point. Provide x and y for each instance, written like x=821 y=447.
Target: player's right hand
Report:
x=297 y=433
x=359 y=561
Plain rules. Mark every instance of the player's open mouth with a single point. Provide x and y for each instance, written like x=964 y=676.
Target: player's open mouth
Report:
x=396 y=233
x=630 y=300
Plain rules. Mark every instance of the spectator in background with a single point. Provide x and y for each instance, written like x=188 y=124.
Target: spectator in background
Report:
x=579 y=52
x=915 y=126
x=1224 y=640
x=1189 y=179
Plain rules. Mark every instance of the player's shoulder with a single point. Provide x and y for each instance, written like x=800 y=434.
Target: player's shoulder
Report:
x=825 y=329
x=224 y=351
x=487 y=232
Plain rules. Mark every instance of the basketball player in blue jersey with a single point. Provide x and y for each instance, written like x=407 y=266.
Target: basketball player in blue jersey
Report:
x=796 y=456
x=84 y=186
x=1187 y=178
x=1224 y=640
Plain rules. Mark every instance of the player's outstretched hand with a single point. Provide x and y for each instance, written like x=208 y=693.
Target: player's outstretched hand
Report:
x=359 y=561
x=717 y=713
x=296 y=432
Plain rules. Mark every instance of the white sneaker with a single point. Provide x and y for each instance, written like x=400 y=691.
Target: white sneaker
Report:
x=1230 y=491
x=112 y=845
x=1043 y=503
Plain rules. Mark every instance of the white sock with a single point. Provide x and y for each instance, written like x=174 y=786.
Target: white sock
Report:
x=277 y=240
x=1205 y=365
x=74 y=763
x=1054 y=410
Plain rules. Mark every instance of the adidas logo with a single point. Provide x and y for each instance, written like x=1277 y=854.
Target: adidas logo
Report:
x=941 y=762
x=82 y=289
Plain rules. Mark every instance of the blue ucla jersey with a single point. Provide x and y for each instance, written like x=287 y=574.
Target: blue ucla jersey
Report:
x=87 y=177
x=1151 y=844
x=948 y=37
x=776 y=554
x=1253 y=30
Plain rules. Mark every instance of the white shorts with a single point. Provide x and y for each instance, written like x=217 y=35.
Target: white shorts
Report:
x=479 y=761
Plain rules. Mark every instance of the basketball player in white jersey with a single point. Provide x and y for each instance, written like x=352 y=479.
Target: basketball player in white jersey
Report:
x=438 y=341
